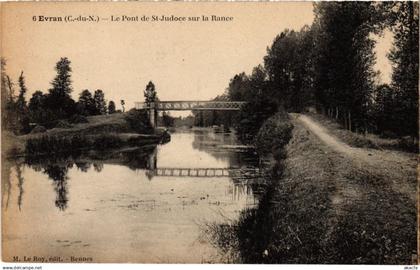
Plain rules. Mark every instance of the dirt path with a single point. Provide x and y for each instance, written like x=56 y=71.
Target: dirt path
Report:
x=397 y=166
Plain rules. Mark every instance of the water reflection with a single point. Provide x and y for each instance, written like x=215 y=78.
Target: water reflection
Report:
x=57 y=167
x=217 y=143
x=241 y=164
x=59 y=176
x=131 y=205
x=20 y=184
x=98 y=166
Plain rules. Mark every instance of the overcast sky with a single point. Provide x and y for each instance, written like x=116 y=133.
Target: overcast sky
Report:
x=186 y=61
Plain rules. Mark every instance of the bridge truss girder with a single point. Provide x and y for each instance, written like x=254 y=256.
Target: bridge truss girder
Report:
x=191 y=105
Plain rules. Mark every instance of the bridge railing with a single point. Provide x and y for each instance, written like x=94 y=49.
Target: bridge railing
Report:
x=191 y=105
x=203 y=172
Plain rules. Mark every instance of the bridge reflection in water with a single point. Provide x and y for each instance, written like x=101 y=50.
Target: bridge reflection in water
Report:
x=236 y=172
x=202 y=172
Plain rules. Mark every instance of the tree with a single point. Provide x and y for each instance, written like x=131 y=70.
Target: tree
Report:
x=21 y=106
x=258 y=80
x=37 y=101
x=384 y=110
x=8 y=114
x=344 y=78
x=4 y=93
x=14 y=118
x=111 y=107
x=86 y=104
x=122 y=105
x=37 y=107
x=239 y=88
x=280 y=63
x=21 y=101
x=100 y=103
x=59 y=100
x=405 y=59
x=253 y=114
x=150 y=93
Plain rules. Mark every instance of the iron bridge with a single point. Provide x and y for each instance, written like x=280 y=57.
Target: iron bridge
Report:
x=202 y=172
x=191 y=105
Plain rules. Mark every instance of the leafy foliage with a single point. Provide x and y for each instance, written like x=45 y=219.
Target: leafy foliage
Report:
x=111 y=107
x=59 y=100
x=330 y=66
x=150 y=93
x=86 y=104
x=138 y=121
x=252 y=115
x=274 y=134
x=100 y=103
x=405 y=59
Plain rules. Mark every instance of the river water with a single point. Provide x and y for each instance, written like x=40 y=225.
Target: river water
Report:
x=151 y=204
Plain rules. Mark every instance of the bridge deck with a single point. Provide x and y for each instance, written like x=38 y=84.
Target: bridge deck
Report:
x=199 y=172
x=191 y=105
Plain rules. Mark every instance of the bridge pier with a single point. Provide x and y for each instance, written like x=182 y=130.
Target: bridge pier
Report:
x=152 y=115
x=153 y=160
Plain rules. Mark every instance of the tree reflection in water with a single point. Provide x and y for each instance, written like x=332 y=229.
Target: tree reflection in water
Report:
x=57 y=167
x=98 y=166
x=58 y=173
x=83 y=166
x=20 y=184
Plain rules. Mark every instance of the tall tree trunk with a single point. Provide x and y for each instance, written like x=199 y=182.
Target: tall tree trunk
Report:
x=349 y=120
x=345 y=121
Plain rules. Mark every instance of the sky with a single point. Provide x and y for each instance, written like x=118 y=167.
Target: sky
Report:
x=185 y=60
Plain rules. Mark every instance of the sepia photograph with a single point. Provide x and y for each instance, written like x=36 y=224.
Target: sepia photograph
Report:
x=209 y=133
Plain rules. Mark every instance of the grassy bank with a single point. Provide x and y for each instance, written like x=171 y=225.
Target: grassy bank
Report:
x=322 y=207
x=99 y=132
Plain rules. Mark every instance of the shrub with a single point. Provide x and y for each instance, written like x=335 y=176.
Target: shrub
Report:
x=274 y=134
x=138 y=121
x=252 y=115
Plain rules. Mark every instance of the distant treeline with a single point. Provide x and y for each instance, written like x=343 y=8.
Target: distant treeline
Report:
x=329 y=67
x=46 y=109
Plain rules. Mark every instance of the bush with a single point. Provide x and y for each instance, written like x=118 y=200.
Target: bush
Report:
x=274 y=134
x=252 y=115
x=138 y=121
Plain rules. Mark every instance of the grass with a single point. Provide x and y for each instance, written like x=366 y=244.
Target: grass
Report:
x=98 y=123
x=99 y=132
x=323 y=208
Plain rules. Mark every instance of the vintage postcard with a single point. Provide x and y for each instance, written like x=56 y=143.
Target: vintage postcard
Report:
x=209 y=132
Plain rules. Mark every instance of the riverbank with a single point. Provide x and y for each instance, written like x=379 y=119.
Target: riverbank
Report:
x=330 y=203
x=99 y=132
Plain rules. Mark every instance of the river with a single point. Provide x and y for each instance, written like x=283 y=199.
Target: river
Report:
x=152 y=204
